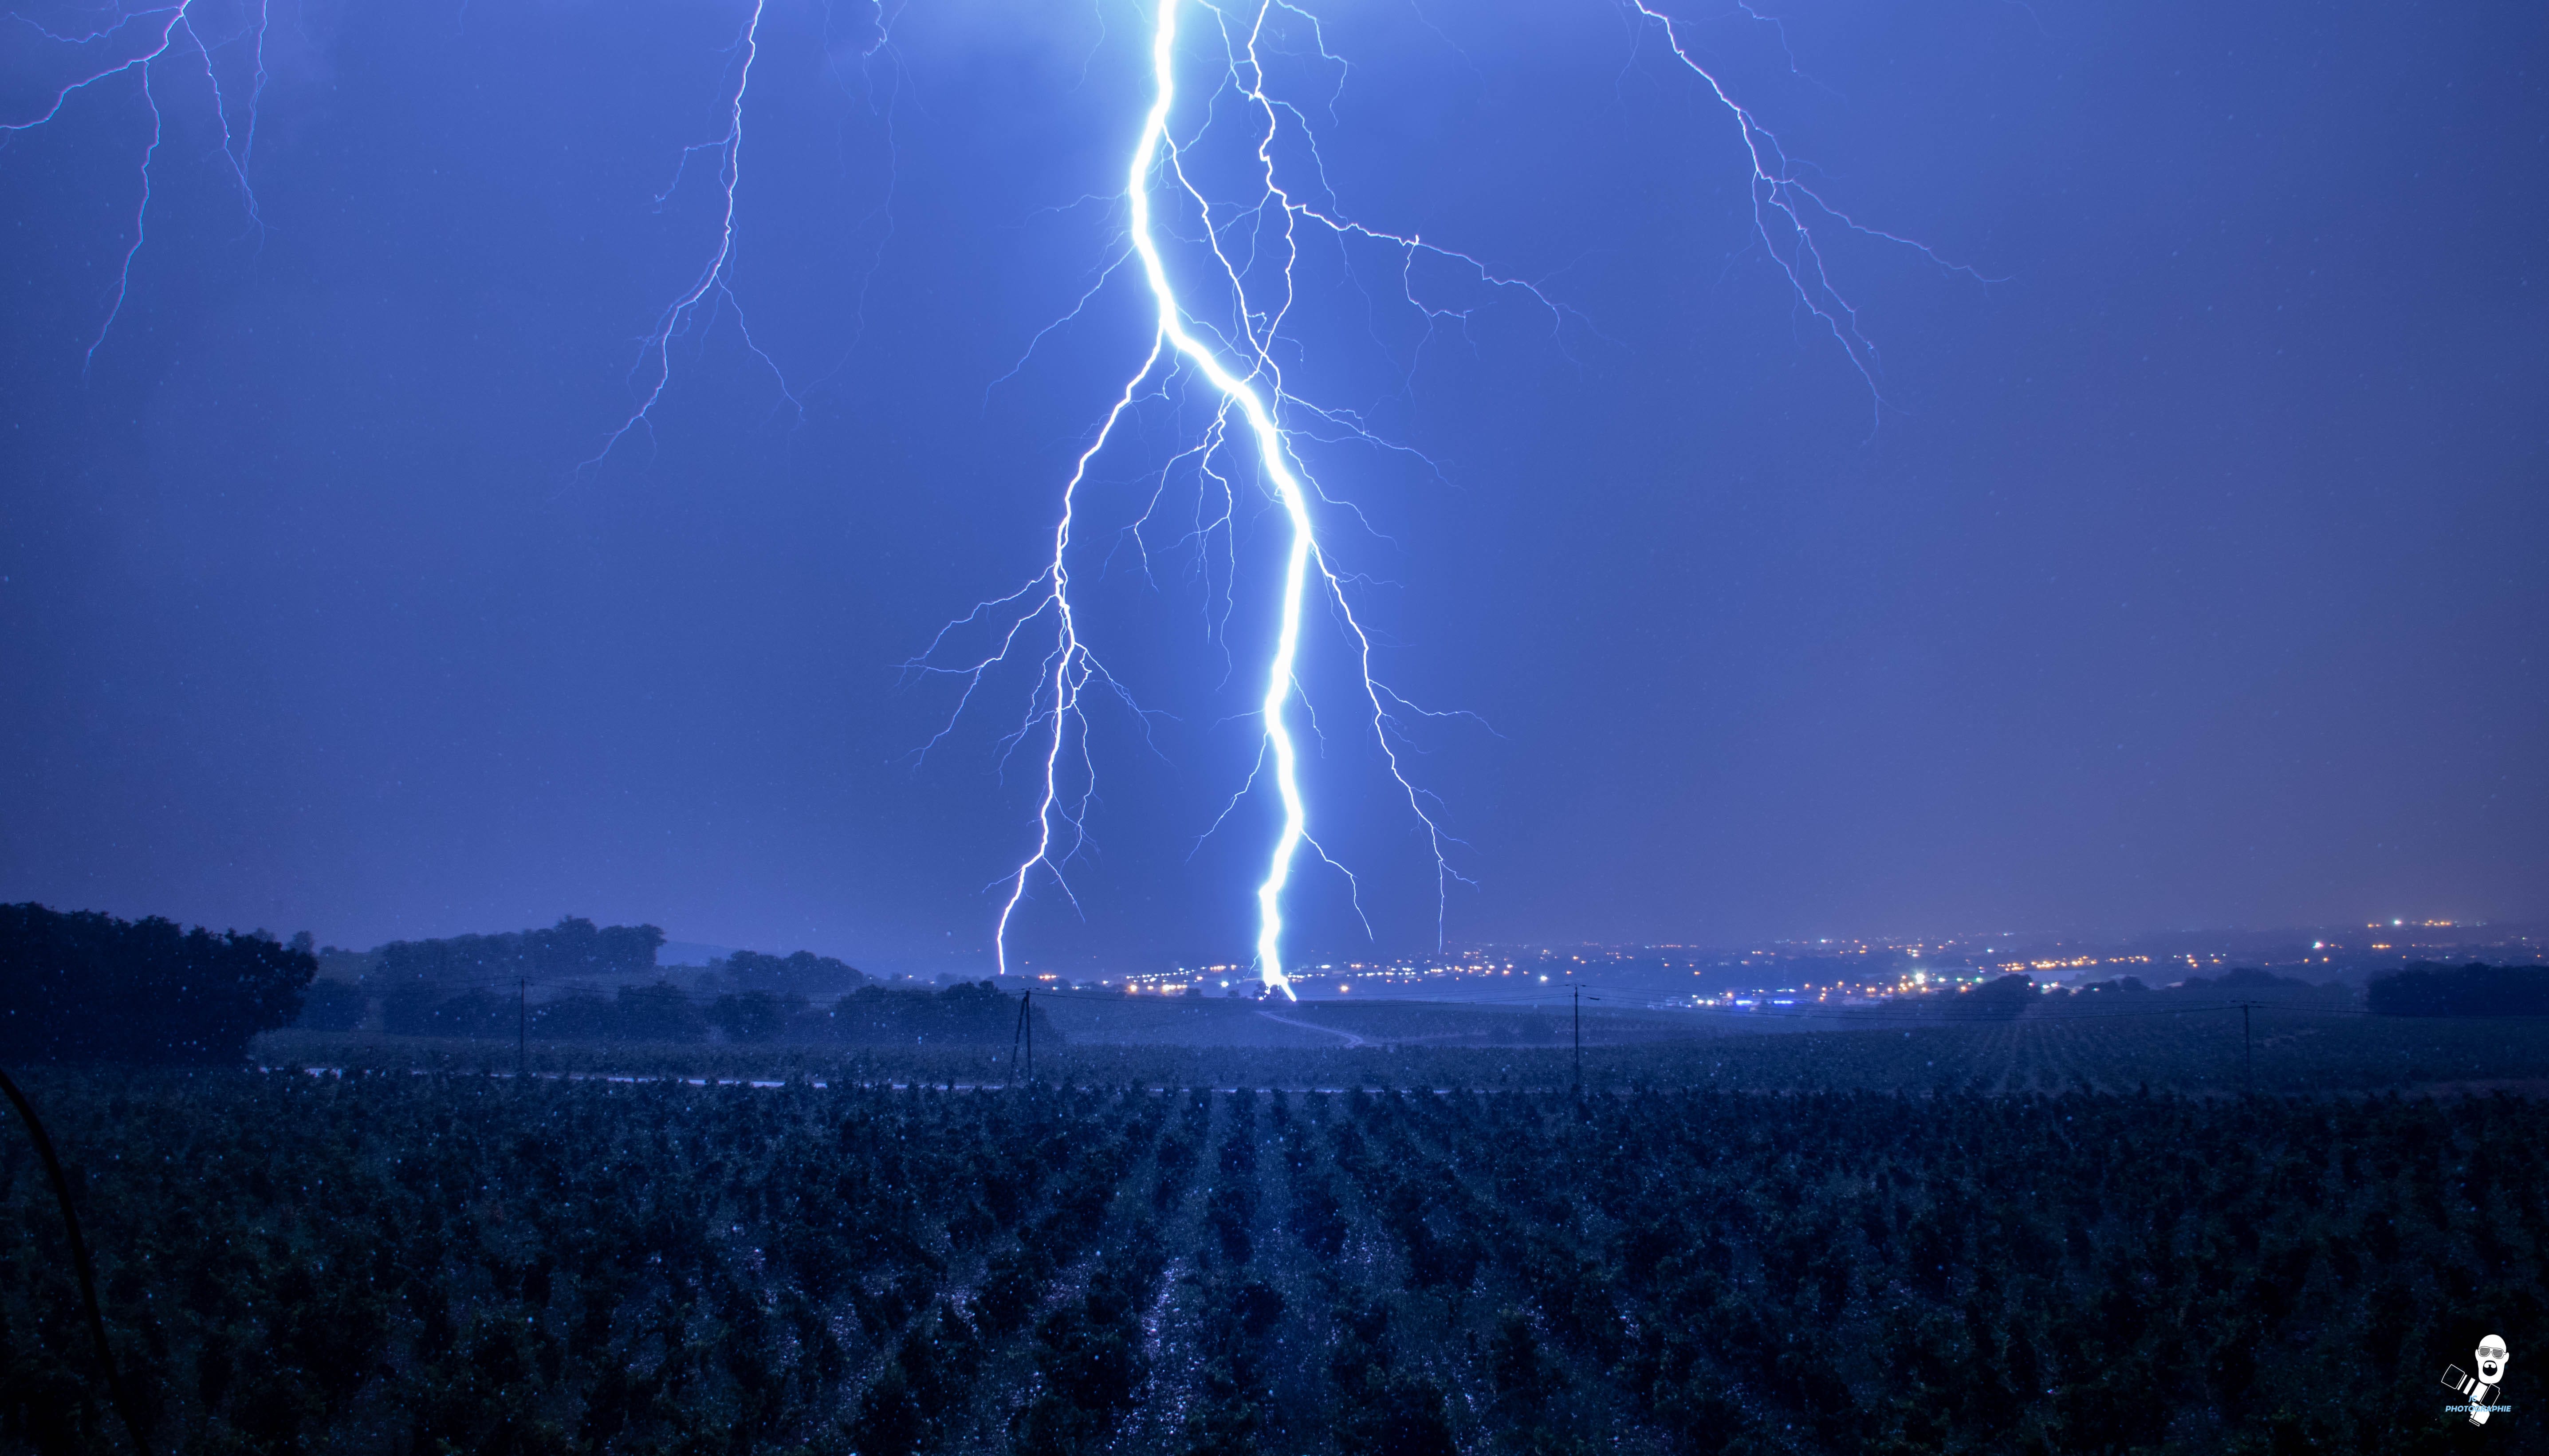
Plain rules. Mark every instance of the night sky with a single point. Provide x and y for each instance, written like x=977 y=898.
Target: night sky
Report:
x=2190 y=572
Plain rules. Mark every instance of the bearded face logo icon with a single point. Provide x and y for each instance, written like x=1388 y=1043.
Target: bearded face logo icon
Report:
x=2491 y=1360
x=2480 y=1389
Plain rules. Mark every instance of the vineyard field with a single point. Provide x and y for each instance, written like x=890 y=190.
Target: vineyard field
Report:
x=2287 y=1051
x=406 y=1263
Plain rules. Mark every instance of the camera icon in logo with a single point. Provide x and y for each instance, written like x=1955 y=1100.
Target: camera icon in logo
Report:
x=2480 y=1389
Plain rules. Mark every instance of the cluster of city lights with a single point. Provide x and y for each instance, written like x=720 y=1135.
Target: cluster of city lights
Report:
x=1924 y=967
x=1195 y=980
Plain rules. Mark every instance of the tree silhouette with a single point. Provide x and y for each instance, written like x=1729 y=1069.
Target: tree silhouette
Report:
x=85 y=987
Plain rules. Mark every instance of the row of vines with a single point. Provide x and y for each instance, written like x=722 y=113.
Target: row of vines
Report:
x=408 y=1264
x=2280 y=1050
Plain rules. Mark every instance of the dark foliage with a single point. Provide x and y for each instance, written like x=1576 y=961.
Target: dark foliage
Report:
x=85 y=987
x=422 y=1010
x=965 y=1013
x=2120 y=986
x=470 y=985
x=411 y=1263
x=333 y=1005
x=422 y=971
x=755 y=1016
x=802 y=974
x=657 y=1013
x=2474 y=990
x=579 y=1015
x=2002 y=998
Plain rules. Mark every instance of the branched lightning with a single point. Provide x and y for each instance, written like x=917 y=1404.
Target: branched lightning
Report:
x=175 y=28
x=1254 y=249
x=1221 y=312
x=1237 y=362
x=712 y=291
x=1786 y=212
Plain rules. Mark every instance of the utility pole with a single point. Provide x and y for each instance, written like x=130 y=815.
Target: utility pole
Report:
x=523 y=1028
x=1577 y=990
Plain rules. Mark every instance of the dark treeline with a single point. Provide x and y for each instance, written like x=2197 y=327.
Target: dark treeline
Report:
x=2474 y=990
x=662 y=1012
x=424 y=986
x=2006 y=998
x=404 y=1263
x=479 y=986
x=572 y=948
x=2002 y=998
x=82 y=986
x=801 y=974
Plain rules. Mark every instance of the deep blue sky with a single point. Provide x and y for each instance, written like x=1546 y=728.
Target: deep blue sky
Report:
x=2192 y=575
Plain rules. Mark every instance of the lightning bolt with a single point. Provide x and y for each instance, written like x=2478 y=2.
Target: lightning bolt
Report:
x=1220 y=331
x=1236 y=363
x=1274 y=458
x=176 y=30
x=712 y=293
x=1786 y=212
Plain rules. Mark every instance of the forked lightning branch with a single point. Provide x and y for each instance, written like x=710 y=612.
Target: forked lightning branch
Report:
x=1255 y=413
x=1218 y=277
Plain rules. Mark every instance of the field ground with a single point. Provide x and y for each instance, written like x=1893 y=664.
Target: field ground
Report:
x=409 y=1263
x=2293 y=1050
